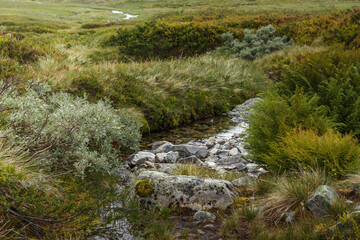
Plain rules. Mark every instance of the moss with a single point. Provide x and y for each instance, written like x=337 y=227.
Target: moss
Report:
x=239 y=202
x=143 y=188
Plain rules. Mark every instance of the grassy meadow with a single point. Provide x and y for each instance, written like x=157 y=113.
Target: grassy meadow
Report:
x=80 y=85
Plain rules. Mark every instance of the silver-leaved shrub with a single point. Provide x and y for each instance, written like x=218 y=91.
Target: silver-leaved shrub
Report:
x=256 y=44
x=67 y=134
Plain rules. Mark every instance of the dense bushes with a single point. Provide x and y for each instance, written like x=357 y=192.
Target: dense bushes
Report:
x=64 y=133
x=161 y=39
x=18 y=50
x=256 y=44
x=34 y=204
x=331 y=81
x=276 y=114
x=185 y=34
x=334 y=76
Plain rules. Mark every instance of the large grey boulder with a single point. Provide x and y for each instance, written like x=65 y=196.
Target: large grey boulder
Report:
x=189 y=150
x=140 y=158
x=188 y=191
x=322 y=200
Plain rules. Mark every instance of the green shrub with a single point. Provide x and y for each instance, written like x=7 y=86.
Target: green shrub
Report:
x=334 y=153
x=62 y=132
x=256 y=44
x=165 y=40
x=334 y=76
x=277 y=114
x=41 y=206
x=18 y=50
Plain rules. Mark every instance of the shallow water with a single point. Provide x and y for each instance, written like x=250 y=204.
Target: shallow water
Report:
x=127 y=15
x=198 y=130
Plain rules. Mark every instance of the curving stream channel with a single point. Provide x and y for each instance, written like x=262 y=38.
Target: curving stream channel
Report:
x=231 y=126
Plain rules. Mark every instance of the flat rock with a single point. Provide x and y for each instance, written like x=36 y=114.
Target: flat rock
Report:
x=203 y=215
x=189 y=191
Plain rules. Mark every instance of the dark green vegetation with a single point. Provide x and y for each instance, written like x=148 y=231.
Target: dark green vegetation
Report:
x=77 y=87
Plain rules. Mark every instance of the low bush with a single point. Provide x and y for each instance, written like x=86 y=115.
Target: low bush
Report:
x=35 y=205
x=68 y=134
x=19 y=50
x=256 y=44
x=336 y=154
x=164 y=40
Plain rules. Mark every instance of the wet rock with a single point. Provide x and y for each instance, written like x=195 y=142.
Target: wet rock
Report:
x=164 y=148
x=189 y=150
x=190 y=160
x=189 y=191
x=213 y=151
x=322 y=199
x=203 y=215
x=233 y=152
x=140 y=158
x=210 y=142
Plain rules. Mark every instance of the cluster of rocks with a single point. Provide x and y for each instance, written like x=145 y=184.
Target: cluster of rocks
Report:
x=223 y=152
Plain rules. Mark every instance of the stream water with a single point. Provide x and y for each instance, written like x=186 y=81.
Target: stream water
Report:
x=201 y=129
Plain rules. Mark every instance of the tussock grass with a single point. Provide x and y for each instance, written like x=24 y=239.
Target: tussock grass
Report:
x=291 y=192
x=168 y=93
x=194 y=170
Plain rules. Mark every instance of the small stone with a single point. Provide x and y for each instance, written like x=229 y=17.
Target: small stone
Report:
x=200 y=232
x=233 y=152
x=210 y=142
x=213 y=151
x=349 y=202
x=160 y=157
x=290 y=217
x=203 y=215
x=357 y=208
x=209 y=227
x=356 y=187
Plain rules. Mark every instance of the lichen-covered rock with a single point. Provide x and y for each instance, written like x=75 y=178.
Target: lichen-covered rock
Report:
x=322 y=200
x=189 y=150
x=243 y=181
x=189 y=191
x=172 y=157
x=140 y=158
